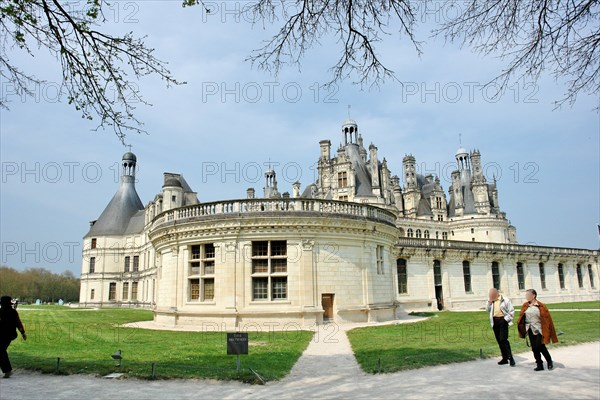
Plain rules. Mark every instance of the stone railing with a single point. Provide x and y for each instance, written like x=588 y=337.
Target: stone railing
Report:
x=283 y=206
x=494 y=247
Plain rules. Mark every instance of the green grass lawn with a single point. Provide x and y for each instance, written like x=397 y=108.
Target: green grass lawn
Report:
x=85 y=339
x=576 y=305
x=454 y=337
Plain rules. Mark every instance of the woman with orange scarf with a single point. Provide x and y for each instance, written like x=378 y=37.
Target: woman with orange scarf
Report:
x=539 y=326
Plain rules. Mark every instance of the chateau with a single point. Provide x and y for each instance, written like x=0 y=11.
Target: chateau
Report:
x=359 y=244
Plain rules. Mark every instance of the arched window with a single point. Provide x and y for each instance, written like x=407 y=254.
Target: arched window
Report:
x=409 y=232
x=426 y=234
x=418 y=233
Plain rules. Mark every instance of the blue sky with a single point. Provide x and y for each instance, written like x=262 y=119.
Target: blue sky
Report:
x=230 y=119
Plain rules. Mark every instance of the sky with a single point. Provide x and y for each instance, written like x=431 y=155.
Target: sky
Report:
x=230 y=120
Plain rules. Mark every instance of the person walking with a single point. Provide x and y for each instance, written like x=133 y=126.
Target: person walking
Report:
x=539 y=327
x=502 y=314
x=9 y=323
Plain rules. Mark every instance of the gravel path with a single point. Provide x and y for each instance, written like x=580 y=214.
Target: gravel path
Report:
x=327 y=369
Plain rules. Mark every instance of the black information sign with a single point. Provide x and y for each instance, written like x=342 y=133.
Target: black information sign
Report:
x=237 y=343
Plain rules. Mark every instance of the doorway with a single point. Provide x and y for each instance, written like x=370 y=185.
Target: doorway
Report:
x=437 y=282
x=327 y=303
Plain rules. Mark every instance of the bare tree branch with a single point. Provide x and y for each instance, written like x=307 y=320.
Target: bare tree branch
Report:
x=95 y=65
x=562 y=36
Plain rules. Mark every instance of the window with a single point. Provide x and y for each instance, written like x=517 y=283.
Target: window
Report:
x=92 y=265
x=520 y=276
x=194 y=289
x=438 y=202
x=418 y=233
x=561 y=276
x=379 y=258
x=134 y=291
x=426 y=234
x=343 y=198
x=208 y=289
x=440 y=217
x=202 y=271
x=472 y=230
x=126 y=267
x=260 y=288
x=496 y=275
x=92 y=293
x=279 y=288
x=591 y=275
x=342 y=179
x=409 y=232
x=125 y=294
x=445 y=235
x=542 y=275
x=93 y=243
x=402 y=276
x=437 y=272
x=467 y=276
x=269 y=270
x=136 y=263
x=112 y=291
x=195 y=252
x=173 y=199
x=579 y=277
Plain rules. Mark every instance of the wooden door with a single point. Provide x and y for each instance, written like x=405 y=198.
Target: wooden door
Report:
x=327 y=303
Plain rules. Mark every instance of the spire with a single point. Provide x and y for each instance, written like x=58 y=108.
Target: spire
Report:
x=116 y=218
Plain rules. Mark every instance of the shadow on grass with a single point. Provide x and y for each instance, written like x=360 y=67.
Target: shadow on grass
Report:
x=144 y=370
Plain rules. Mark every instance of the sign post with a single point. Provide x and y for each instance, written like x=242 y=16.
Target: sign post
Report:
x=237 y=343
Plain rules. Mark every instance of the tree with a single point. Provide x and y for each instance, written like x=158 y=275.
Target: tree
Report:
x=562 y=36
x=95 y=64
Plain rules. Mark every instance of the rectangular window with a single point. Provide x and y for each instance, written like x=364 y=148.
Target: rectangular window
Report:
x=194 y=289
x=278 y=265
x=438 y=202
x=445 y=235
x=92 y=294
x=343 y=198
x=260 y=266
x=520 y=276
x=125 y=294
x=136 y=263
x=208 y=289
x=279 y=288
x=579 y=277
x=202 y=268
x=92 y=265
x=496 y=275
x=440 y=218
x=379 y=257
x=542 y=275
x=195 y=268
x=269 y=266
x=342 y=180
x=260 y=288
x=591 y=275
x=437 y=273
x=112 y=291
x=279 y=248
x=195 y=252
x=126 y=267
x=134 y=291
x=561 y=276
x=402 y=276
x=467 y=276
x=260 y=249
x=93 y=243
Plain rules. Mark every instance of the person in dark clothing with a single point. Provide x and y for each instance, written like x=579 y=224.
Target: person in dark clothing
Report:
x=9 y=323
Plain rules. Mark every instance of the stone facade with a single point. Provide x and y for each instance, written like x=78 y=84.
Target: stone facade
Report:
x=352 y=246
